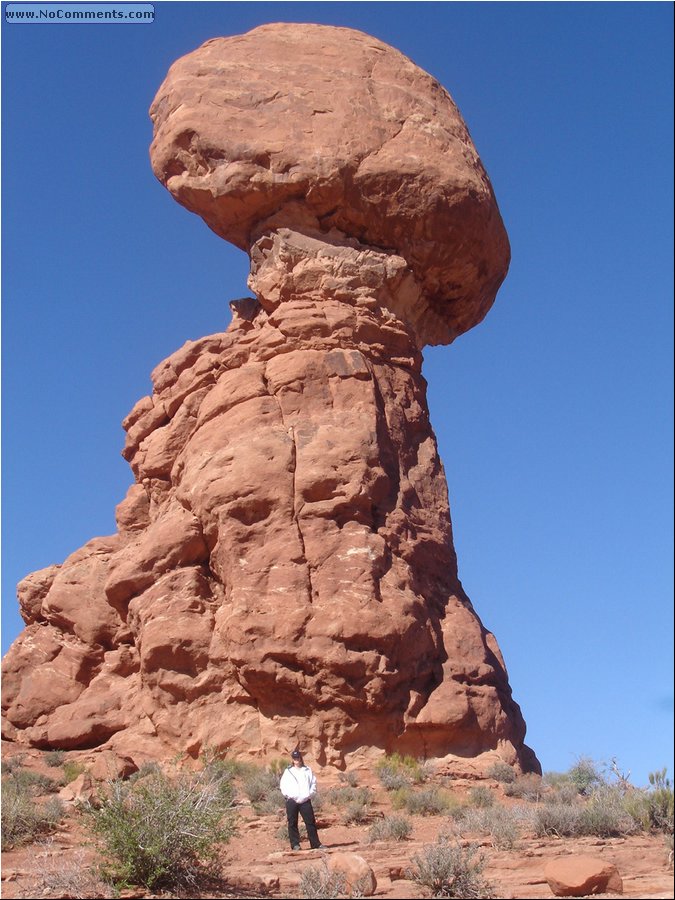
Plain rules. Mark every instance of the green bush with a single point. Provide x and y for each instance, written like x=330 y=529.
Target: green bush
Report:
x=390 y=828
x=161 y=831
x=23 y=818
x=652 y=809
x=585 y=775
x=660 y=802
x=448 y=869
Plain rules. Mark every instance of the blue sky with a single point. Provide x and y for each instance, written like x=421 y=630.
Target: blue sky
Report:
x=554 y=416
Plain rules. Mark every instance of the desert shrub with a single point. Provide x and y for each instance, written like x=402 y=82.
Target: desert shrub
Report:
x=448 y=869
x=526 y=787
x=261 y=786
x=147 y=768
x=556 y=820
x=217 y=762
x=55 y=758
x=429 y=801
x=500 y=823
x=396 y=772
x=348 y=778
x=502 y=772
x=344 y=795
x=72 y=770
x=356 y=813
x=318 y=883
x=481 y=797
x=12 y=763
x=585 y=775
x=563 y=792
x=34 y=782
x=277 y=766
x=71 y=876
x=160 y=830
x=23 y=818
x=652 y=809
x=604 y=814
x=356 y=802
x=661 y=802
x=390 y=828
x=455 y=806
x=393 y=779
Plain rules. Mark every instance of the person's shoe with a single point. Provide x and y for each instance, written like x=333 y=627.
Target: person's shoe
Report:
x=295 y=847
x=320 y=847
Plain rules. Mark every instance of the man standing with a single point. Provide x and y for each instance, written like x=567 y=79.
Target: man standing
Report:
x=298 y=785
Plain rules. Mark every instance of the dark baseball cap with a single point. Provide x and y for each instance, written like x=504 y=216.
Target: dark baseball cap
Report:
x=296 y=754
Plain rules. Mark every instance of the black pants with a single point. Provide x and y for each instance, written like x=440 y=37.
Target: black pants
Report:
x=307 y=813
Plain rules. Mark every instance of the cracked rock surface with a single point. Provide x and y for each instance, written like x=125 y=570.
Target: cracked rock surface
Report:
x=283 y=571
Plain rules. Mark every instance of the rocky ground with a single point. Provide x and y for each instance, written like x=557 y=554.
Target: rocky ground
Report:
x=258 y=863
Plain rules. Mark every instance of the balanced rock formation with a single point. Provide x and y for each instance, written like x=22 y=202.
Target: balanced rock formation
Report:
x=283 y=571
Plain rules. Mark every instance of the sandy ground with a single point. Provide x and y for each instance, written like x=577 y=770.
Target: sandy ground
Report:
x=258 y=863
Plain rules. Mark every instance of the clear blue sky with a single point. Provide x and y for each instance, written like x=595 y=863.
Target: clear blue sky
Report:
x=554 y=417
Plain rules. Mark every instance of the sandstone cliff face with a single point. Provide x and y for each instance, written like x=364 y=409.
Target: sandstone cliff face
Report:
x=283 y=570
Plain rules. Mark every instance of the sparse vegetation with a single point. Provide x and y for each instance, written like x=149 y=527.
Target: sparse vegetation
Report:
x=162 y=831
x=261 y=786
x=430 y=801
x=12 y=763
x=318 y=883
x=55 y=758
x=502 y=772
x=34 y=782
x=652 y=809
x=447 y=869
x=603 y=814
x=585 y=775
x=500 y=823
x=355 y=801
x=72 y=770
x=390 y=828
x=526 y=787
x=396 y=772
x=348 y=778
x=24 y=819
x=73 y=878
x=481 y=797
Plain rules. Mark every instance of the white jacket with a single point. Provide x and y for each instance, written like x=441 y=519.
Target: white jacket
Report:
x=298 y=783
